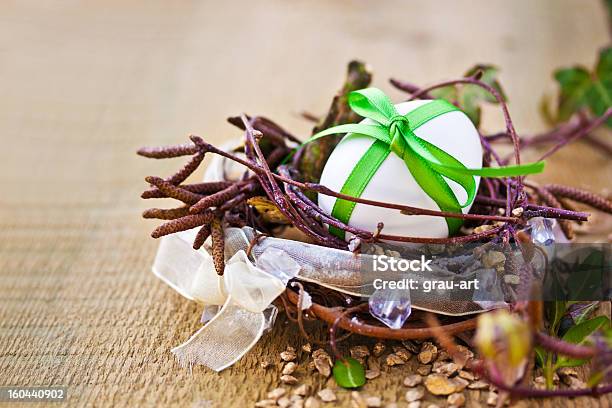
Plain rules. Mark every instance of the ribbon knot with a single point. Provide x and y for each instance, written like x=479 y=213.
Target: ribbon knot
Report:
x=429 y=165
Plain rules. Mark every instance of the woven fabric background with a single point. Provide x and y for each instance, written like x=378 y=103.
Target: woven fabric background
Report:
x=84 y=84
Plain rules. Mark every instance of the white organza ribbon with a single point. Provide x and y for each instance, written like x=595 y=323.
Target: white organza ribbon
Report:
x=244 y=291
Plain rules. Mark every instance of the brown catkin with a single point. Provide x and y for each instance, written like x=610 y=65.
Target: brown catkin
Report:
x=187 y=169
x=218 y=245
x=172 y=191
x=199 y=188
x=182 y=224
x=549 y=199
x=167 y=152
x=166 y=214
x=582 y=196
x=215 y=199
x=201 y=237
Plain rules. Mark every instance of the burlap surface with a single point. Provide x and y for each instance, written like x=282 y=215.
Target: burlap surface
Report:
x=83 y=85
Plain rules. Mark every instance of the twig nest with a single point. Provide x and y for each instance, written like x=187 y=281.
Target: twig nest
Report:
x=393 y=182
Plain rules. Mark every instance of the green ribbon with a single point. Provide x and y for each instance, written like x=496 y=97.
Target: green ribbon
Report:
x=428 y=164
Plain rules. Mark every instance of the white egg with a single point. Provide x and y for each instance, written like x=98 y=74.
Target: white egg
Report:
x=452 y=132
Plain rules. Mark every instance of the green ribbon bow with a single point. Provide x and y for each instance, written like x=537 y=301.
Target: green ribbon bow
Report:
x=428 y=164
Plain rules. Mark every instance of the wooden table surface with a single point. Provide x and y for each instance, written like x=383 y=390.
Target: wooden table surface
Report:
x=84 y=84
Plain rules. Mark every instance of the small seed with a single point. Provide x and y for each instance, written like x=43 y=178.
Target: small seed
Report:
x=307 y=348
x=265 y=403
x=277 y=393
x=357 y=400
x=373 y=402
x=411 y=346
x=289 y=379
x=283 y=402
x=378 y=349
x=323 y=367
x=302 y=390
x=371 y=374
x=414 y=404
x=289 y=368
x=359 y=352
x=446 y=369
x=415 y=394
x=492 y=398
x=312 y=402
x=288 y=355
x=394 y=359
x=413 y=380
x=327 y=395
x=491 y=259
x=424 y=369
x=266 y=364
x=518 y=211
x=460 y=384
x=428 y=353
x=466 y=375
x=456 y=399
x=478 y=385
x=439 y=385
x=402 y=353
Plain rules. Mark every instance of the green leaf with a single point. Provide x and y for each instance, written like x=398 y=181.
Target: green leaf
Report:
x=585 y=281
x=555 y=312
x=349 y=373
x=470 y=97
x=578 y=334
x=580 y=88
x=574 y=83
x=540 y=356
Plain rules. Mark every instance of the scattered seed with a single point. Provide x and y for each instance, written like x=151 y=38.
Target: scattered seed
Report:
x=373 y=402
x=402 y=353
x=357 y=401
x=323 y=367
x=439 y=385
x=266 y=364
x=283 y=402
x=276 y=393
x=265 y=403
x=460 y=384
x=492 y=398
x=289 y=368
x=424 y=369
x=491 y=259
x=289 y=379
x=478 y=385
x=456 y=399
x=483 y=228
x=327 y=395
x=307 y=348
x=518 y=211
x=466 y=375
x=413 y=380
x=415 y=394
x=413 y=404
x=302 y=390
x=393 y=360
x=446 y=369
x=378 y=349
x=312 y=402
x=428 y=353
x=288 y=355
x=411 y=346
x=567 y=371
x=359 y=352
x=573 y=382
x=444 y=356
x=371 y=374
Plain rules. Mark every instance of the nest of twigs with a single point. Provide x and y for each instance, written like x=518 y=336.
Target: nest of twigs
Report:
x=276 y=169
